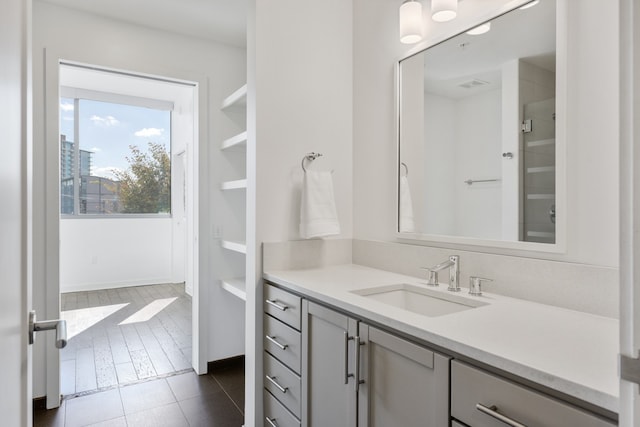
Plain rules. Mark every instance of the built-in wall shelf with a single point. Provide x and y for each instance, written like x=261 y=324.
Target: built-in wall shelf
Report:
x=236 y=286
x=234 y=185
x=541 y=142
x=237 y=141
x=541 y=234
x=541 y=169
x=541 y=196
x=240 y=247
x=236 y=99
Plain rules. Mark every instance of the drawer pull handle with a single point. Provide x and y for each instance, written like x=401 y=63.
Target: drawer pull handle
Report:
x=492 y=411
x=273 y=340
x=271 y=421
x=275 y=383
x=275 y=304
x=347 y=375
x=358 y=381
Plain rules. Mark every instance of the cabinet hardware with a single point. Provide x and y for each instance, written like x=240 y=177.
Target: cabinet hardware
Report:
x=347 y=375
x=492 y=411
x=358 y=381
x=275 y=304
x=273 y=340
x=275 y=383
x=271 y=421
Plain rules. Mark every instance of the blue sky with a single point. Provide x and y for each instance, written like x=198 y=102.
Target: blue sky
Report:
x=109 y=129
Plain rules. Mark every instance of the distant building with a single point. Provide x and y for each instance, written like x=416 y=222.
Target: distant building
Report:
x=98 y=195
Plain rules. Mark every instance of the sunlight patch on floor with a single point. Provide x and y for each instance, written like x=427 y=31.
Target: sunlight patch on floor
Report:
x=82 y=319
x=148 y=311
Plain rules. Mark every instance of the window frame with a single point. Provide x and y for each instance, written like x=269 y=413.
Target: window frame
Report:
x=76 y=94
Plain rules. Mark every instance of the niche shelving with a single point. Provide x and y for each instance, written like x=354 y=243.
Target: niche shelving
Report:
x=234 y=150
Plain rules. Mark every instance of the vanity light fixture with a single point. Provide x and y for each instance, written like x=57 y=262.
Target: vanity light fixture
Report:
x=528 y=5
x=480 y=29
x=444 y=10
x=411 y=22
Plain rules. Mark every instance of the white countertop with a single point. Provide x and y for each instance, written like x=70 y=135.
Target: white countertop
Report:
x=569 y=351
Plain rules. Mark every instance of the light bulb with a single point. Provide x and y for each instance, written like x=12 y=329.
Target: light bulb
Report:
x=528 y=5
x=480 y=29
x=444 y=10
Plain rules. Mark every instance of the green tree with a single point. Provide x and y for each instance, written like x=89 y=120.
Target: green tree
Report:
x=145 y=187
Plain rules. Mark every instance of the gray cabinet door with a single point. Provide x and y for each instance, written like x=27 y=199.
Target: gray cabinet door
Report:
x=403 y=384
x=329 y=397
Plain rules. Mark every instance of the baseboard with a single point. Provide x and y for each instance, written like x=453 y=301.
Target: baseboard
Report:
x=218 y=365
x=40 y=402
x=113 y=285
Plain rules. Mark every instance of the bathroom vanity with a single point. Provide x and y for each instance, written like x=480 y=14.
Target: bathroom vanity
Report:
x=349 y=345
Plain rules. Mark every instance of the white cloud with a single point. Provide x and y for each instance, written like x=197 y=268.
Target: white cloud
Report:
x=65 y=106
x=95 y=149
x=106 y=172
x=105 y=121
x=146 y=132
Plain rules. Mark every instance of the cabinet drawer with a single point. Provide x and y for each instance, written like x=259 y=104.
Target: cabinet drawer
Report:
x=471 y=386
x=283 y=384
x=277 y=415
x=283 y=306
x=282 y=342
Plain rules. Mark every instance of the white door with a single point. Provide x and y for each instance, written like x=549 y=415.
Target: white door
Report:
x=629 y=203
x=15 y=187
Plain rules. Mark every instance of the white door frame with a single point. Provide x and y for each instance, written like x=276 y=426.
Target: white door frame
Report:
x=197 y=204
x=15 y=221
x=629 y=203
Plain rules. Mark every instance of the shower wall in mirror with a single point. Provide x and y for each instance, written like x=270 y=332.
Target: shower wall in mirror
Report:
x=477 y=146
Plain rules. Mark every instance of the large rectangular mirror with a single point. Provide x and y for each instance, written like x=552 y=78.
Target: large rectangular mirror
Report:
x=477 y=133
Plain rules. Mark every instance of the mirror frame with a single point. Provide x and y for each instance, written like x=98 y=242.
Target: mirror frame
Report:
x=561 y=135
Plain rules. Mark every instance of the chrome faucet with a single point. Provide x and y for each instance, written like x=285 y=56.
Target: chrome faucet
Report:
x=454 y=273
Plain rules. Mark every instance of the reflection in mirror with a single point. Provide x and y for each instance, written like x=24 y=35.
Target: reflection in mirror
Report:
x=477 y=132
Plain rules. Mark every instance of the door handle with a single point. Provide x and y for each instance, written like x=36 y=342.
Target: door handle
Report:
x=60 y=326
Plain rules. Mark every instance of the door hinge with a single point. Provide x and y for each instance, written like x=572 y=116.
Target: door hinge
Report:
x=630 y=369
x=526 y=126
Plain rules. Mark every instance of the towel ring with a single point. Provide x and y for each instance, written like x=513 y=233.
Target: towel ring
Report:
x=310 y=157
x=406 y=168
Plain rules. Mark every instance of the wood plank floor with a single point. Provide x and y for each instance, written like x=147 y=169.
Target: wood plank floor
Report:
x=123 y=335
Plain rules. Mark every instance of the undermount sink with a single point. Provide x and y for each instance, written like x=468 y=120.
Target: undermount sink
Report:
x=420 y=300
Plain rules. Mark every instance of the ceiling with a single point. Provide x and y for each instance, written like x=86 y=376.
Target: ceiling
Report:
x=528 y=34
x=219 y=20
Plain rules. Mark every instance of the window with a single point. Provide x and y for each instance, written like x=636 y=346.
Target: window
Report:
x=114 y=158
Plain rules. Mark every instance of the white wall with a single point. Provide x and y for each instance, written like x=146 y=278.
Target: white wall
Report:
x=438 y=177
x=592 y=124
x=98 y=253
x=478 y=155
x=124 y=46
x=300 y=97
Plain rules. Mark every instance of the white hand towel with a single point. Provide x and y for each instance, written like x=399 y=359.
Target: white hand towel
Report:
x=407 y=224
x=318 y=216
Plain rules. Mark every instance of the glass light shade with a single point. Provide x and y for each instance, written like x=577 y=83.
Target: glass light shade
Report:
x=410 y=22
x=444 y=10
x=480 y=29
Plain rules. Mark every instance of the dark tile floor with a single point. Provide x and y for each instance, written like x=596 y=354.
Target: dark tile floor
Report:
x=216 y=400
x=119 y=336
